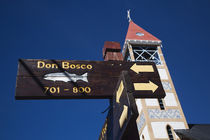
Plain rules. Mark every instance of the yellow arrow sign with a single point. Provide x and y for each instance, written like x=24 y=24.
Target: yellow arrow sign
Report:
x=145 y=86
x=123 y=116
x=119 y=92
x=142 y=68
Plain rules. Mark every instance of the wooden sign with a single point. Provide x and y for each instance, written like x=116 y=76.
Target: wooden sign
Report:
x=125 y=110
x=68 y=79
x=105 y=132
x=120 y=123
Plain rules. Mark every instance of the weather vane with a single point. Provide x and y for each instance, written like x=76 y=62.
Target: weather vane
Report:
x=129 y=17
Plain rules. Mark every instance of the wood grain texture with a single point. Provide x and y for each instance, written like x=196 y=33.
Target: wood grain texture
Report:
x=102 y=79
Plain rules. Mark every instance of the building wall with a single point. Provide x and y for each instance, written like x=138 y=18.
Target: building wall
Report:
x=152 y=121
x=160 y=131
x=145 y=134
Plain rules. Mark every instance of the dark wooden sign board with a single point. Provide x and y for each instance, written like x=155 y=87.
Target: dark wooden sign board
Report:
x=68 y=79
x=120 y=123
x=124 y=110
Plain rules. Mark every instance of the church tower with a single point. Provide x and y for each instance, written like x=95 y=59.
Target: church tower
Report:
x=158 y=118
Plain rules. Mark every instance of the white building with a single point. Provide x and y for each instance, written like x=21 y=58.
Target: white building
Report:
x=157 y=117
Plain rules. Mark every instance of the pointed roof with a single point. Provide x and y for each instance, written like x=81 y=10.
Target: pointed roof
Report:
x=138 y=35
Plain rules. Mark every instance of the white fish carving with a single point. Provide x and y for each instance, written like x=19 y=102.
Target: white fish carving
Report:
x=65 y=77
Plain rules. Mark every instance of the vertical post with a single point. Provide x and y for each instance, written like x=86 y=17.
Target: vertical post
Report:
x=130 y=49
x=111 y=51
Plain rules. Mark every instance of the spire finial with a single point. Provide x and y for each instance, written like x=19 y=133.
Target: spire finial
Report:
x=129 y=16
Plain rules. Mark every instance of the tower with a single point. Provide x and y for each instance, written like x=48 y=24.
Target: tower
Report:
x=158 y=118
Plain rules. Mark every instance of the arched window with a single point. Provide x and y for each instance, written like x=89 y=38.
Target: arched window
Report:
x=170 y=135
x=161 y=104
x=142 y=137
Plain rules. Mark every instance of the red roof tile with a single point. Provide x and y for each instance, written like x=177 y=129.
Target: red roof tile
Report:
x=134 y=29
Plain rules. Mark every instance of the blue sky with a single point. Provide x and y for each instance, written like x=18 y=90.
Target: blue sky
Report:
x=76 y=30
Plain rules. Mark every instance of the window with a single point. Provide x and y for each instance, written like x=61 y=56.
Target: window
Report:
x=139 y=34
x=170 y=135
x=143 y=137
x=161 y=104
x=146 y=54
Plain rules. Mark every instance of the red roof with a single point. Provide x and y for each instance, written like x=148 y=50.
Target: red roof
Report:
x=137 y=33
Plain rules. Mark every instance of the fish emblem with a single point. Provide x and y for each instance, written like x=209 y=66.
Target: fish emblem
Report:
x=65 y=77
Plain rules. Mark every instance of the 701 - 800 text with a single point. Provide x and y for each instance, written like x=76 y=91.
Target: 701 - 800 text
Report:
x=56 y=90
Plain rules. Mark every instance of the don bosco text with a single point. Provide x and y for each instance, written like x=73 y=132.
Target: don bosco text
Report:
x=64 y=65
